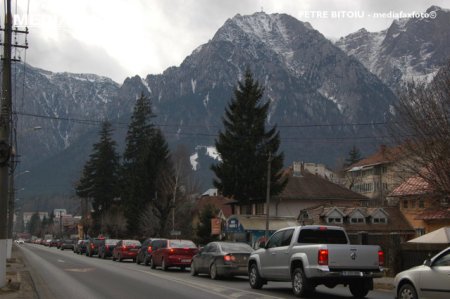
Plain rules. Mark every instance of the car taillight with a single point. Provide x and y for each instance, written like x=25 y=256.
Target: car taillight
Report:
x=322 y=258
x=107 y=246
x=149 y=249
x=380 y=257
x=171 y=251
x=229 y=258
x=92 y=246
x=124 y=247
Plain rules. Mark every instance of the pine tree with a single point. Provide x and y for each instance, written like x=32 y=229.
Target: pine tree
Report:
x=204 y=226
x=146 y=157
x=101 y=174
x=354 y=156
x=245 y=147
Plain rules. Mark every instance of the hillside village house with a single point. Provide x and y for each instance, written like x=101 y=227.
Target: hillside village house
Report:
x=377 y=175
x=423 y=209
x=303 y=190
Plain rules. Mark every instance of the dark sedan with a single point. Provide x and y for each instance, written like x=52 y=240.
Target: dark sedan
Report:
x=145 y=252
x=67 y=244
x=92 y=246
x=80 y=247
x=222 y=259
x=105 y=249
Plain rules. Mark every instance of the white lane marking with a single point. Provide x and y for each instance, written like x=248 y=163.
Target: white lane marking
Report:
x=61 y=261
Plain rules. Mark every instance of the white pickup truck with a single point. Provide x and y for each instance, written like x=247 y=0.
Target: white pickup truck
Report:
x=312 y=255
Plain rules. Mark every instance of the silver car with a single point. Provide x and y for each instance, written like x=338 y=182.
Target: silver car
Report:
x=430 y=280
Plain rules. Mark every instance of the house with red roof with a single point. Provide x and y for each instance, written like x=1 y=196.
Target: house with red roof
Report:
x=424 y=210
x=378 y=174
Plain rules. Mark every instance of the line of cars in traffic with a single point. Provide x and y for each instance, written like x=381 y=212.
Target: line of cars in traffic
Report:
x=217 y=259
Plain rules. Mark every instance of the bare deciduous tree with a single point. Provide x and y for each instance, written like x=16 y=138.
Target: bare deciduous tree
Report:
x=422 y=127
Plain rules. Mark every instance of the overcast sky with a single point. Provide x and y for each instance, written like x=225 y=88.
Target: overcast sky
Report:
x=121 y=38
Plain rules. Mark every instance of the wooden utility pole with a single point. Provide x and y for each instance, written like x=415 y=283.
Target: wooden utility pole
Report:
x=5 y=146
x=269 y=164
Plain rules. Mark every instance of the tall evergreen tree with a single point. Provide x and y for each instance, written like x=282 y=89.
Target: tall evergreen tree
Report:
x=245 y=146
x=100 y=178
x=354 y=156
x=146 y=156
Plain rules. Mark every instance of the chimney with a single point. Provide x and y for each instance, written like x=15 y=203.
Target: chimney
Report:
x=298 y=169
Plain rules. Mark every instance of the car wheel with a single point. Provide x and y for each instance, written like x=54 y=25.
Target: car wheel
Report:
x=146 y=261
x=407 y=291
x=119 y=258
x=213 y=272
x=255 y=280
x=193 y=270
x=152 y=264
x=103 y=255
x=113 y=258
x=300 y=284
x=163 y=265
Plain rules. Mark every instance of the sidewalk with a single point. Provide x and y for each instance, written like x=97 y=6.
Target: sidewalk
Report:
x=20 y=283
x=384 y=283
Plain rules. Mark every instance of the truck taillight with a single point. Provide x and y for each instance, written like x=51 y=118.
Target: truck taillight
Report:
x=380 y=258
x=322 y=258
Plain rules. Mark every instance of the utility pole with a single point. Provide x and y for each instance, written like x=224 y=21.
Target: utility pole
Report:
x=5 y=147
x=5 y=138
x=269 y=164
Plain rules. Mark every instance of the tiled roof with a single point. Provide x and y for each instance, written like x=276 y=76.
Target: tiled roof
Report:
x=434 y=214
x=412 y=186
x=396 y=221
x=313 y=187
x=383 y=155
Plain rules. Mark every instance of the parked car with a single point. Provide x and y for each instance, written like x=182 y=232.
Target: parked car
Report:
x=430 y=280
x=145 y=252
x=173 y=253
x=310 y=255
x=53 y=243
x=80 y=247
x=106 y=248
x=126 y=249
x=59 y=243
x=92 y=246
x=220 y=259
x=67 y=244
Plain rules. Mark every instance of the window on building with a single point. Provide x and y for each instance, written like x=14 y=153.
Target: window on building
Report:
x=246 y=210
x=378 y=220
x=413 y=204
x=354 y=220
x=405 y=203
x=421 y=203
x=259 y=209
x=334 y=220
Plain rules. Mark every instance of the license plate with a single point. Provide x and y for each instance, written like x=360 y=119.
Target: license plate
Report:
x=185 y=261
x=352 y=273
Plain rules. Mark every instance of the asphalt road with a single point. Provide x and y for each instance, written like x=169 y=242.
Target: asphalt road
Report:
x=63 y=274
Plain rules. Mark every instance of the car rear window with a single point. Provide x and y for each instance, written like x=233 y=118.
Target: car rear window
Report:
x=111 y=242
x=182 y=244
x=322 y=236
x=235 y=247
x=131 y=243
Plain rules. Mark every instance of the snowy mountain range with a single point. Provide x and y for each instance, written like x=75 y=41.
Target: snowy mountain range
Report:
x=409 y=50
x=318 y=93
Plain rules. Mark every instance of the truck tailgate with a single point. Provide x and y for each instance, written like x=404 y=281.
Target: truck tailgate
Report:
x=355 y=257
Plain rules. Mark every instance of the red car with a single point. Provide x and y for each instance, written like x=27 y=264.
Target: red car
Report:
x=172 y=253
x=126 y=249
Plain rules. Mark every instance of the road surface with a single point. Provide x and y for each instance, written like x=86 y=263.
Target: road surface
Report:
x=63 y=274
